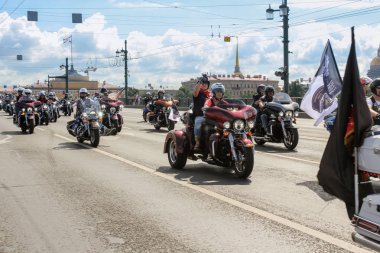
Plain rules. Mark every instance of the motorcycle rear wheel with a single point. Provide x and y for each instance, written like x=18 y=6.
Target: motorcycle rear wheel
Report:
x=171 y=125
x=243 y=168
x=259 y=142
x=291 y=141
x=177 y=161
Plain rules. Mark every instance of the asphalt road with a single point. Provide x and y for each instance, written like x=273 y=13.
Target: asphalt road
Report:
x=60 y=196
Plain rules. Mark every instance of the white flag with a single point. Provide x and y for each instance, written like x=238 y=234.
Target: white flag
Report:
x=320 y=99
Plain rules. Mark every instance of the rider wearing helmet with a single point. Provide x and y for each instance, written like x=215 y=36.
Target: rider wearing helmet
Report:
x=160 y=94
x=147 y=98
x=19 y=93
x=25 y=98
x=260 y=93
x=200 y=95
x=42 y=97
x=83 y=102
x=374 y=101
x=217 y=90
x=269 y=93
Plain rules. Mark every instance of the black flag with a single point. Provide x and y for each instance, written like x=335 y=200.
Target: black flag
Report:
x=336 y=170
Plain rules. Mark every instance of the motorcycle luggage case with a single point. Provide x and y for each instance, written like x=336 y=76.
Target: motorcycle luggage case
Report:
x=369 y=155
x=370 y=211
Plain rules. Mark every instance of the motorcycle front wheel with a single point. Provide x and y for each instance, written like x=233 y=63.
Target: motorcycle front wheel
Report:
x=291 y=141
x=244 y=165
x=31 y=126
x=94 y=137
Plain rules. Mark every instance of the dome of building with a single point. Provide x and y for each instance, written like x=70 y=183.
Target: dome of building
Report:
x=375 y=61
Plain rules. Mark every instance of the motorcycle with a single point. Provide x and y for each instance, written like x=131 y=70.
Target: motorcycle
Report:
x=111 y=115
x=9 y=108
x=53 y=111
x=87 y=127
x=66 y=107
x=1 y=104
x=163 y=113
x=28 y=117
x=225 y=141
x=281 y=122
x=44 y=114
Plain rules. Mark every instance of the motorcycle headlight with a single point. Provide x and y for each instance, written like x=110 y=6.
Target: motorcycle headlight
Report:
x=12 y=103
x=103 y=107
x=100 y=114
x=35 y=109
x=23 y=109
x=113 y=110
x=29 y=110
x=226 y=125
x=251 y=124
x=92 y=113
x=281 y=114
x=296 y=113
x=84 y=115
x=239 y=125
x=288 y=114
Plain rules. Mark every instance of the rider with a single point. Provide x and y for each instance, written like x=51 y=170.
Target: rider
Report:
x=52 y=99
x=82 y=103
x=374 y=101
x=200 y=94
x=218 y=91
x=147 y=98
x=19 y=93
x=25 y=98
x=269 y=93
x=260 y=93
x=42 y=97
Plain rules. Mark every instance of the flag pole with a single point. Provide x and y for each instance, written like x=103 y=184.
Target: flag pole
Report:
x=356 y=180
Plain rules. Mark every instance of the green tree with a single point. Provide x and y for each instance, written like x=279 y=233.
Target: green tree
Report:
x=184 y=93
x=296 y=89
x=132 y=91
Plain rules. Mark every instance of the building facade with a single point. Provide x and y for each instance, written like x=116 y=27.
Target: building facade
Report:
x=237 y=85
x=374 y=70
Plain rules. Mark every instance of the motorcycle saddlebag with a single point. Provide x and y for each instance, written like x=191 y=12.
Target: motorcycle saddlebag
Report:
x=369 y=155
x=369 y=217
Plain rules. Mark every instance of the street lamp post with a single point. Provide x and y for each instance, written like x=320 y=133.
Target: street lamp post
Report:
x=66 y=76
x=125 y=56
x=284 y=13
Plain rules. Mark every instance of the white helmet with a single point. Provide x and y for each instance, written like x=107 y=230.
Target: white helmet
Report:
x=83 y=90
x=27 y=92
x=51 y=94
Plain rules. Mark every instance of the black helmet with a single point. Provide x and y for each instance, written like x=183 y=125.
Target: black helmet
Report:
x=103 y=90
x=375 y=83
x=269 y=89
x=204 y=79
x=260 y=88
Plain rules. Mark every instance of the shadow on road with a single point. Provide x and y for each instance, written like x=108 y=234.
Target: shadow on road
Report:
x=69 y=146
x=201 y=174
x=19 y=132
x=315 y=187
x=153 y=130
x=274 y=149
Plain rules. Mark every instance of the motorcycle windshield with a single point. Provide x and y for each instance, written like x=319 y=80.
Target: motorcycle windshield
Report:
x=229 y=112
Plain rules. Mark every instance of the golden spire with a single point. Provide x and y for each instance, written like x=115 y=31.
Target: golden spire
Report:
x=237 y=67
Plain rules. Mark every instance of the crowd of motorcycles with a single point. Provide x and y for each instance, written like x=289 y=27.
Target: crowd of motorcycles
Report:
x=102 y=119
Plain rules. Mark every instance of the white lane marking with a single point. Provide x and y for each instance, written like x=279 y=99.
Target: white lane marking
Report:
x=127 y=127
x=41 y=129
x=127 y=134
x=288 y=223
x=6 y=139
x=315 y=139
x=288 y=157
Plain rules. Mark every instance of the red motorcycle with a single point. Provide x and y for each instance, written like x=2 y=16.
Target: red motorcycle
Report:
x=28 y=116
x=225 y=140
x=111 y=115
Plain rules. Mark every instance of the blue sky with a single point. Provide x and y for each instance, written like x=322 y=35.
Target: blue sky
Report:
x=171 y=41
